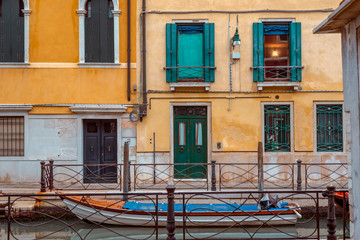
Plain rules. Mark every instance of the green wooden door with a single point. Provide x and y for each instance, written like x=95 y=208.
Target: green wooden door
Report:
x=190 y=142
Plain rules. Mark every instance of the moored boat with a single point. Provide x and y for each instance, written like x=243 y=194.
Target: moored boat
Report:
x=145 y=214
x=342 y=199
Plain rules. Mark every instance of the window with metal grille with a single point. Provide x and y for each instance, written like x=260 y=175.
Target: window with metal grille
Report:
x=329 y=127
x=277 y=128
x=11 y=136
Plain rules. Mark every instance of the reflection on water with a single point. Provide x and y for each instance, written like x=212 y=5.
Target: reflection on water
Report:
x=81 y=230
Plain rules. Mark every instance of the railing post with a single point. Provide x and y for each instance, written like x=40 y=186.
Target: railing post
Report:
x=331 y=218
x=129 y=182
x=51 y=175
x=42 y=180
x=299 y=180
x=213 y=176
x=126 y=171
x=260 y=167
x=170 y=224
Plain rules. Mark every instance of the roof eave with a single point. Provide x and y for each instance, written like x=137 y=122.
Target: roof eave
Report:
x=345 y=13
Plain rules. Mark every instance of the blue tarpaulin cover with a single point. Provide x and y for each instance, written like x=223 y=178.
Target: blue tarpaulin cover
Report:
x=162 y=207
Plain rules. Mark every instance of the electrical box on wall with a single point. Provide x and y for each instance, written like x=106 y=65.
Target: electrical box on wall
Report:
x=236 y=55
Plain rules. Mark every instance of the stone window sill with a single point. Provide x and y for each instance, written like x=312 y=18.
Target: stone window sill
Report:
x=205 y=85
x=295 y=85
x=99 y=65
x=14 y=65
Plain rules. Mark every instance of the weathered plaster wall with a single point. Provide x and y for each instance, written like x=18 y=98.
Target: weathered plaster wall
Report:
x=53 y=75
x=59 y=138
x=350 y=47
x=239 y=129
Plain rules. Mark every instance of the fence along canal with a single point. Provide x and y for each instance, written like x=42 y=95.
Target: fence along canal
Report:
x=50 y=210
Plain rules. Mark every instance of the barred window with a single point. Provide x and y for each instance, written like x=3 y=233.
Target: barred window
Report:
x=277 y=128
x=11 y=136
x=329 y=128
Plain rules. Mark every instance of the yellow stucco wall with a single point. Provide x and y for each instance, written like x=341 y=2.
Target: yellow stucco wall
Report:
x=239 y=129
x=53 y=75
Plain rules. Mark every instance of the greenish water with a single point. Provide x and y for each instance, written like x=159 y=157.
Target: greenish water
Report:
x=81 y=230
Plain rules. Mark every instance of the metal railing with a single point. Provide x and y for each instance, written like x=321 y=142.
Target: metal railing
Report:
x=80 y=176
x=319 y=175
x=210 y=176
x=55 y=220
x=279 y=73
x=191 y=73
x=148 y=176
x=245 y=175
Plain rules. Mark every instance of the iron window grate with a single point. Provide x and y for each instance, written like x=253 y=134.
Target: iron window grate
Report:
x=11 y=136
x=329 y=128
x=277 y=128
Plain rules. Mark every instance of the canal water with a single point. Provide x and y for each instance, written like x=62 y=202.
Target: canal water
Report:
x=81 y=230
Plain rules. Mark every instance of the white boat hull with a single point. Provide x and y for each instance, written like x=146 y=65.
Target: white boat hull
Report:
x=92 y=214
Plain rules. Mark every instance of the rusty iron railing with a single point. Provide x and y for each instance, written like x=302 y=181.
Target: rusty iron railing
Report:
x=80 y=176
x=179 y=174
x=55 y=219
x=208 y=176
x=245 y=175
x=319 y=175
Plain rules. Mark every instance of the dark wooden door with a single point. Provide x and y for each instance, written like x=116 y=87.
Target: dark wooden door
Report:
x=190 y=142
x=100 y=151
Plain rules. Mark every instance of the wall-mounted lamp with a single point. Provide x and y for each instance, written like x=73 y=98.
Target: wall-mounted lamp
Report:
x=236 y=39
x=275 y=53
x=236 y=43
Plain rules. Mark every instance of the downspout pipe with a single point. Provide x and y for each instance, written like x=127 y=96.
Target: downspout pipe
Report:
x=129 y=50
x=144 y=90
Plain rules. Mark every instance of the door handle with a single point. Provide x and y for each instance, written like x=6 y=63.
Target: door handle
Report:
x=109 y=149
x=198 y=149
x=181 y=149
x=91 y=148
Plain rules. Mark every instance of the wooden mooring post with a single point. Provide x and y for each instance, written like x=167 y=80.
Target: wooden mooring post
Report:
x=260 y=167
x=126 y=171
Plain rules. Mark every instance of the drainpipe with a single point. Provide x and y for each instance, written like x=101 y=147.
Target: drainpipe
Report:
x=143 y=110
x=128 y=50
x=144 y=51
x=230 y=70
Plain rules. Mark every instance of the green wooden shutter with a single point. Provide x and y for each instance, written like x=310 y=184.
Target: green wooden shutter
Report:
x=258 y=51
x=209 y=52
x=171 y=52
x=295 y=51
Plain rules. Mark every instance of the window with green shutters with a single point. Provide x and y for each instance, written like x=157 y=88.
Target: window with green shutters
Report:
x=11 y=31
x=190 y=52
x=277 y=52
x=329 y=127
x=277 y=128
